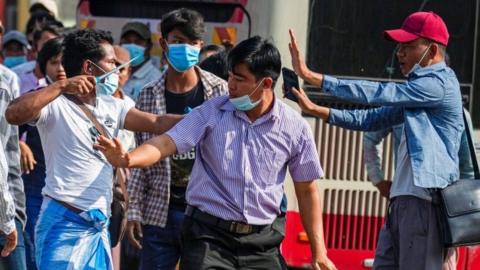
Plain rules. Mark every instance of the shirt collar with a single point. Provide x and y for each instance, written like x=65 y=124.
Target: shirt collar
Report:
x=144 y=70
x=429 y=69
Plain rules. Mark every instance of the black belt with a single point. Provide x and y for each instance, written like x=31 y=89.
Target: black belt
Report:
x=230 y=226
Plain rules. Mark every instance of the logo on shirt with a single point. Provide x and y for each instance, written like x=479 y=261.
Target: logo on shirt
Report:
x=108 y=123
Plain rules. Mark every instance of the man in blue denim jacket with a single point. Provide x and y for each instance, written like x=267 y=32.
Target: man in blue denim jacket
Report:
x=429 y=105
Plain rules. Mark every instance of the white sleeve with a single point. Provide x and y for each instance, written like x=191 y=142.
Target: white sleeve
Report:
x=44 y=117
x=125 y=107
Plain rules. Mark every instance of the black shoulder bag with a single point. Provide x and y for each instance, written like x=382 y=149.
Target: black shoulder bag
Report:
x=460 y=205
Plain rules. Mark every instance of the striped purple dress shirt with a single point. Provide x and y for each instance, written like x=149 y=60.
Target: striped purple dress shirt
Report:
x=240 y=168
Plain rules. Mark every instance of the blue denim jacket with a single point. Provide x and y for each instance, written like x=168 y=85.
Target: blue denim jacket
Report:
x=430 y=106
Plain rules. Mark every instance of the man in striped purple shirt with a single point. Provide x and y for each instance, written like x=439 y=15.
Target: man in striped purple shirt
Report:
x=245 y=142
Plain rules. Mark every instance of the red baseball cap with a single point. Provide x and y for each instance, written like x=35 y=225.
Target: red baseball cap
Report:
x=426 y=25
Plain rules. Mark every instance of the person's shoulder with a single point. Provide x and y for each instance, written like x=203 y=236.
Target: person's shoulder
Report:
x=152 y=70
x=25 y=67
x=291 y=116
x=439 y=71
x=287 y=111
x=217 y=102
x=129 y=101
x=212 y=81
x=6 y=74
x=154 y=87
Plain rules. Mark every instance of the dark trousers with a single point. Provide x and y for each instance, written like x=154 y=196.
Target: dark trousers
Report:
x=162 y=246
x=410 y=239
x=209 y=247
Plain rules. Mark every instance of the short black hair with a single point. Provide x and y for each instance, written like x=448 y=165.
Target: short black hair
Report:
x=212 y=47
x=49 y=27
x=83 y=44
x=260 y=56
x=52 y=48
x=216 y=64
x=187 y=21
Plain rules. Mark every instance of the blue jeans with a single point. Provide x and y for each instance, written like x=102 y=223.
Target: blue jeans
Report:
x=33 y=203
x=16 y=259
x=162 y=246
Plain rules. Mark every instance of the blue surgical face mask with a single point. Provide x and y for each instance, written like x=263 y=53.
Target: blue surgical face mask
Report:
x=106 y=85
x=12 y=61
x=244 y=103
x=182 y=56
x=135 y=51
x=417 y=65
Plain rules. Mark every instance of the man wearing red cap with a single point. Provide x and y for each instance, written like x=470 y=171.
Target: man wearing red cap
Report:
x=429 y=105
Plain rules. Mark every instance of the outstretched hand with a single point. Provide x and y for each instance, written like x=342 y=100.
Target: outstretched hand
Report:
x=306 y=105
x=113 y=151
x=298 y=63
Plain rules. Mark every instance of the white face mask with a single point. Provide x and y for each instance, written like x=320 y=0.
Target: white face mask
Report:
x=417 y=65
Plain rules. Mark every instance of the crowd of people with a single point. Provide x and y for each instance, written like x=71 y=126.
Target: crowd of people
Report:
x=189 y=160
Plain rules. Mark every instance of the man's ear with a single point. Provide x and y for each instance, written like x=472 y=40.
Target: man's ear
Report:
x=163 y=44
x=87 y=68
x=434 y=49
x=267 y=83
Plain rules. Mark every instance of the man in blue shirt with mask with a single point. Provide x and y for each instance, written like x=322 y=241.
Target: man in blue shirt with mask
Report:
x=429 y=104
x=136 y=38
x=15 y=48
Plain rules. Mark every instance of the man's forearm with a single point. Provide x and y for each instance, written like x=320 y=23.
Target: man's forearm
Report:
x=151 y=152
x=166 y=122
x=140 y=121
x=313 y=78
x=372 y=149
x=311 y=214
x=321 y=112
x=27 y=107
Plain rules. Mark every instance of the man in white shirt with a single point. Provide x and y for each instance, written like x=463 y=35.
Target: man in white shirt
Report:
x=72 y=226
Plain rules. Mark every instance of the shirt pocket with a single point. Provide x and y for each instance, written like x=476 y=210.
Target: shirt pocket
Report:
x=266 y=168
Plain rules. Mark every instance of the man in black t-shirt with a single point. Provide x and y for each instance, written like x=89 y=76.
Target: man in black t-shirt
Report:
x=157 y=193
x=181 y=165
